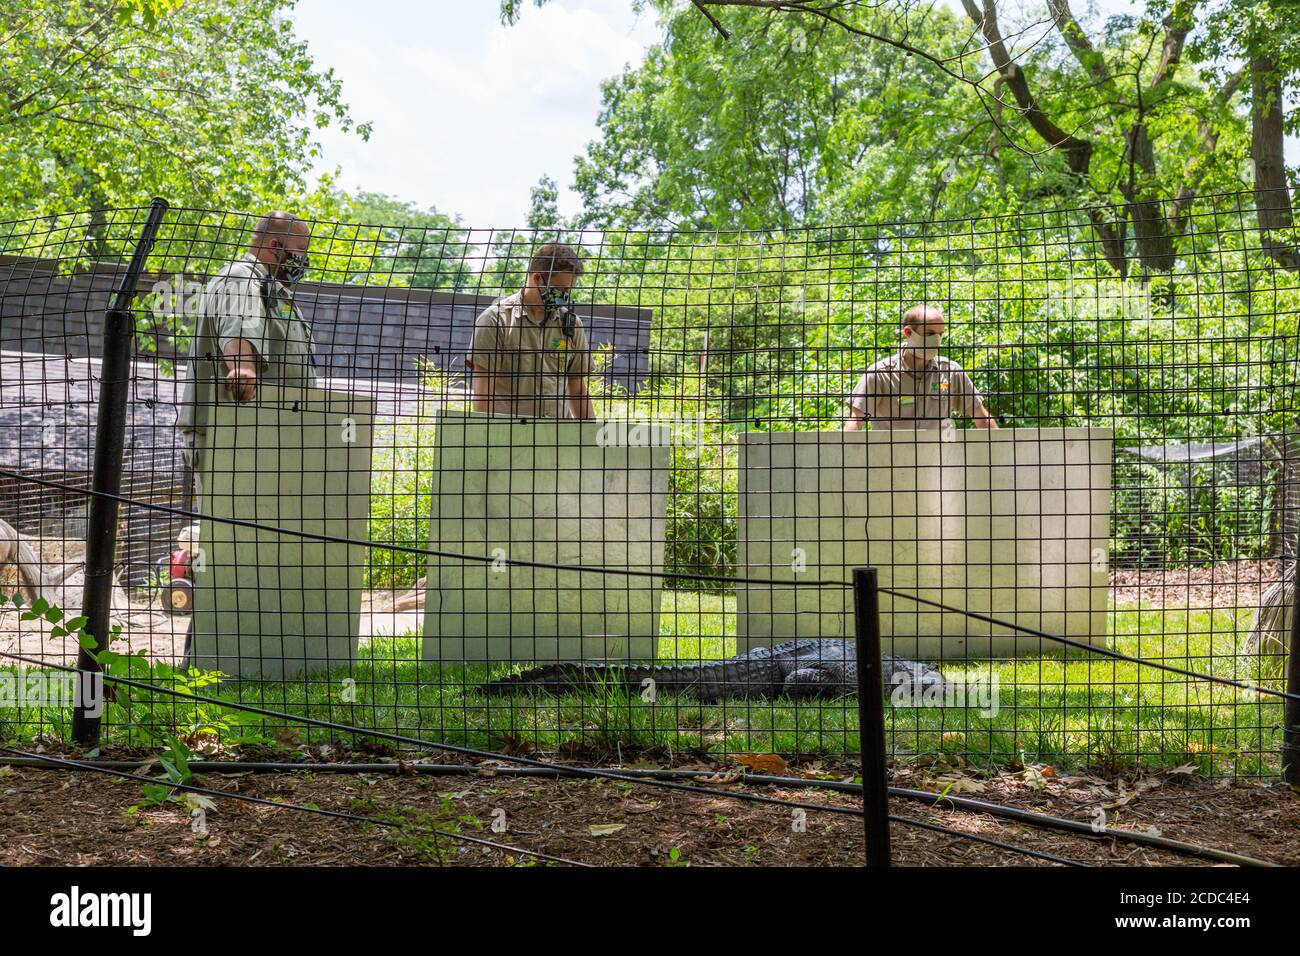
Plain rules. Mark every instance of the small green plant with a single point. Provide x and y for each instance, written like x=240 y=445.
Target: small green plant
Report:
x=175 y=764
x=137 y=712
x=426 y=834
x=675 y=858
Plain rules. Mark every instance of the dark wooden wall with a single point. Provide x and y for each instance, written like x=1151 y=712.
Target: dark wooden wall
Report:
x=360 y=331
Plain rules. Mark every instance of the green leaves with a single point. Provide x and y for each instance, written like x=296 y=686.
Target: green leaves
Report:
x=206 y=101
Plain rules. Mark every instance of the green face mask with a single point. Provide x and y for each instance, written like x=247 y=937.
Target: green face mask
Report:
x=554 y=298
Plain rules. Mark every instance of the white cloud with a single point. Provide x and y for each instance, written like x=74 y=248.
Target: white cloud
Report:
x=469 y=114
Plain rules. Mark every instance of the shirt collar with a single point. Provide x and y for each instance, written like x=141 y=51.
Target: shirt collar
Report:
x=929 y=366
x=515 y=302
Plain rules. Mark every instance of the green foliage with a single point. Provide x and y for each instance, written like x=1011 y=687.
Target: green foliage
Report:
x=140 y=715
x=795 y=119
x=1187 y=514
x=211 y=102
x=400 y=486
x=764 y=128
x=422 y=833
x=402 y=245
x=175 y=765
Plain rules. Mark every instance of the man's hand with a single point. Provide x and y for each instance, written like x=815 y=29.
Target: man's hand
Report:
x=983 y=419
x=578 y=400
x=241 y=379
x=241 y=383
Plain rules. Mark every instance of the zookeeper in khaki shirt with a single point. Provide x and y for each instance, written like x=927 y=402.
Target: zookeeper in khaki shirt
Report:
x=530 y=355
x=249 y=331
x=916 y=387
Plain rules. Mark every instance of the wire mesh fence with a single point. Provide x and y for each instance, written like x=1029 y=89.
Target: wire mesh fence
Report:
x=578 y=492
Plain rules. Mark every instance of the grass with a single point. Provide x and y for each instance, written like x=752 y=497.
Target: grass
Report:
x=1069 y=712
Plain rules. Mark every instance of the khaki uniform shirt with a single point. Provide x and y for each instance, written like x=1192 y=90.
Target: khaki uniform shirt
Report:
x=244 y=302
x=530 y=362
x=891 y=395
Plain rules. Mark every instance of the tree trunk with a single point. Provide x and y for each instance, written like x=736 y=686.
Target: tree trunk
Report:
x=1272 y=194
x=1155 y=246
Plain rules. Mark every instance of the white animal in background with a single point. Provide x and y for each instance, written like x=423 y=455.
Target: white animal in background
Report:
x=60 y=585
x=17 y=552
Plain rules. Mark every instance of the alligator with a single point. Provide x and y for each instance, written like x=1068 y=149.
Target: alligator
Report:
x=795 y=669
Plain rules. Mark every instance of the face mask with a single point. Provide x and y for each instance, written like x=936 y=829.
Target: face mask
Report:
x=294 y=266
x=554 y=298
x=924 y=346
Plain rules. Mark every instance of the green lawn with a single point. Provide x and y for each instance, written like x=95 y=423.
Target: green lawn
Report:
x=1067 y=712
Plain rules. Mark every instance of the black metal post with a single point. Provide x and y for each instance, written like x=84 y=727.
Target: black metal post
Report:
x=110 y=436
x=1291 y=707
x=871 y=717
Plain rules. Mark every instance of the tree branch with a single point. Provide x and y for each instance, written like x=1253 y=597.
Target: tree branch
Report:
x=1208 y=138
x=1078 y=152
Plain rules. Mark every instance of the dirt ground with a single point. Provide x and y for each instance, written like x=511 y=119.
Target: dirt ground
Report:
x=57 y=817
x=1230 y=584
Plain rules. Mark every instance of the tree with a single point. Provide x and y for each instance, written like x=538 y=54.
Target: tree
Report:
x=1266 y=36
x=776 y=125
x=1057 y=112
x=544 y=208
x=208 y=102
x=424 y=249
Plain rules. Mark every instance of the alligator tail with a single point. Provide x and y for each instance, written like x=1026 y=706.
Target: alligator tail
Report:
x=558 y=678
x=708 y=681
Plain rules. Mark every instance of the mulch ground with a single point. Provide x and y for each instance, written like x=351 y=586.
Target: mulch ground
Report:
x=1226 y=585
x=60 y=818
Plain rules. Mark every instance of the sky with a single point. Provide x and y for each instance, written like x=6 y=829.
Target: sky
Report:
x=468 y=114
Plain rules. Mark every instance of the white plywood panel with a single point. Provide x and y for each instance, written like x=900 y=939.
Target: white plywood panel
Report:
x=1013 y=523
x=555 y=492
x=275 y=605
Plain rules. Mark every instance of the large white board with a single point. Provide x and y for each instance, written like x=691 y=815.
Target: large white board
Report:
x=268 y=604
x=1013 y=523
x=550 y=491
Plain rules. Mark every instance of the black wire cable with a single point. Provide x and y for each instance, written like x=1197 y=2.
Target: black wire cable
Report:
x=581 y=568
x=589 y=772
x=929 y=798
x=1080 y=645
x=978 y=838
x=39 y=761
x=400 y=548
x=427 y=744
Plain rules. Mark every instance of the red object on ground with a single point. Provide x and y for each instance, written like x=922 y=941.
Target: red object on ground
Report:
x=180 y=564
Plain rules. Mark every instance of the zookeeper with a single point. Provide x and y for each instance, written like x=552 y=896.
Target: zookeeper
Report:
x=916 y=387
x=530 y=355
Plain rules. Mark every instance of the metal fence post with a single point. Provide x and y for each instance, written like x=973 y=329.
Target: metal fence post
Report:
x=106 y=482
x=871 y=717
x=1291 y=706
